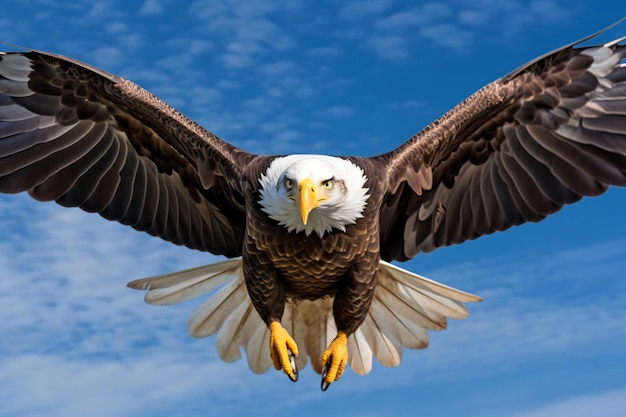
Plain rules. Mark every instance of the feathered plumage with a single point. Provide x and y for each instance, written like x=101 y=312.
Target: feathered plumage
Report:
x=404 y=307
x=310 y=236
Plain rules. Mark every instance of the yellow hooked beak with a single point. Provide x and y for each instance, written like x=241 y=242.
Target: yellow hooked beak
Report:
x=309 y=199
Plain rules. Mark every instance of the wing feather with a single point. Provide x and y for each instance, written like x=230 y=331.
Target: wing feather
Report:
x=129 y=192
x=72 y=164
x=100 y=159
x=85 y=138
x=104 y=189
x=516 y=151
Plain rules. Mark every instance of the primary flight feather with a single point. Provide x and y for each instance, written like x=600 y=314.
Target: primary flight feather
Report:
x=310 y=237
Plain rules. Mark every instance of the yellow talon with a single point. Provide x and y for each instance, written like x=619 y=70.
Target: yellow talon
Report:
x=337 y=354
x=283 y=350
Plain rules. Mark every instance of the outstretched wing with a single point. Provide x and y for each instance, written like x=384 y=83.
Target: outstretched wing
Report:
x=85 y=138
x=516 y=151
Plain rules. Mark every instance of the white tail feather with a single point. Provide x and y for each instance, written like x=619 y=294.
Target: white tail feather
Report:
x=229 y=335
x=183 y=285
x=209 y=316
x=404 y=307
x=360 y=353
x=381 y=337
x=314 y=328
x=257 y=349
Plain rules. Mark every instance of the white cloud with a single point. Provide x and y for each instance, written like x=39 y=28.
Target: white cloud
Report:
x=359 y=9
x=74 y=339
x=389 y=46
x=336 y=112
x=227 y=85
x=606 y=404
x=277 y=69
x=447 y=35
x=399 y=21
x=108 y=57
x=91 y=386
x=523 y=315
x=323 y=51
x=151 y=7
x=246 y=33
x=117 y=27
x=449 y=24
x=232 y=60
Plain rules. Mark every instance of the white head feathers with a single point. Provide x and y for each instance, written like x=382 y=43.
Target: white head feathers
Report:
x=340 y=182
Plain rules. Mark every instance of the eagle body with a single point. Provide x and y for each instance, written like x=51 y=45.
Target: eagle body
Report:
x=309 y=238
x=342 y=264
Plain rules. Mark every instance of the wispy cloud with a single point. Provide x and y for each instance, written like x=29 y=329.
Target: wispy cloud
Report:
x=605 y=404
x=246 y=32
x=449 y=24
x=389 y=46
x=524 y=316
x=336 y=112
x=255 y=47
x=278 y=78
x=79 y=324
x=151 y=7
x=356 y=10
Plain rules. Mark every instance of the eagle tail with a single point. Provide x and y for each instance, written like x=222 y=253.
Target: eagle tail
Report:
x=180 y=286
x=228 y=310
x=404 y=308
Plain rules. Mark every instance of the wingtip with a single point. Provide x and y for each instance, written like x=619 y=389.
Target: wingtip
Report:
x=15 y=46
x=138 y=284
x=473 y=298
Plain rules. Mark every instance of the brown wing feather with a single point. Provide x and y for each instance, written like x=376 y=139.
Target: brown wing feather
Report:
x=85 y=138
x=516 y=151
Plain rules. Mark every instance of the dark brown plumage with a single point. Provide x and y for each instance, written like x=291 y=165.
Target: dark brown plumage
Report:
x=516 y=151
x=281 y=264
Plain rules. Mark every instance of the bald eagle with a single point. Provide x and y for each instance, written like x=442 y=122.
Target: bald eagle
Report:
x=310 y=237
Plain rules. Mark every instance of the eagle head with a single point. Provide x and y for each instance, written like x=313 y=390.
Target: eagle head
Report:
x=313 y=193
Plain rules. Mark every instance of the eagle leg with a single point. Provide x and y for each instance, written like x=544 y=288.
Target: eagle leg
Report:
x=334 y=360
x=283 y=350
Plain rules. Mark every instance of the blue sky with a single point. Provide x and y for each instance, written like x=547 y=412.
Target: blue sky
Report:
x=356 y=77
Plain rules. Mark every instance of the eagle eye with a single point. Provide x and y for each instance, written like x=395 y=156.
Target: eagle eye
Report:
x=328 y=184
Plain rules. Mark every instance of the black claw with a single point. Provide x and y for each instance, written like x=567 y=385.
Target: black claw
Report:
x=325 y=384
x=292 y=361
